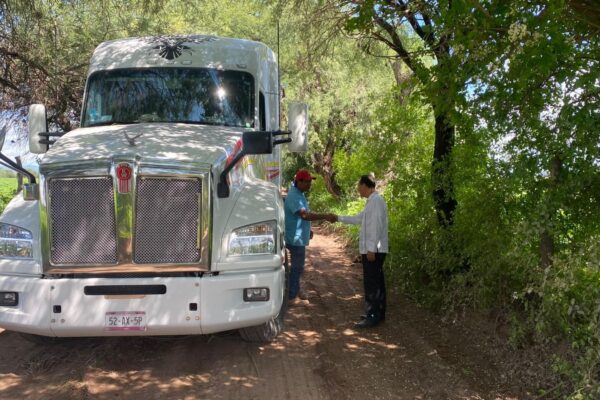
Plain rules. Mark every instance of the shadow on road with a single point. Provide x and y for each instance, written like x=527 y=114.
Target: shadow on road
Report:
x=319 y=356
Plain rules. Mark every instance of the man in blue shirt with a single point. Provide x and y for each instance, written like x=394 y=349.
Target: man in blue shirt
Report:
x=297 y=231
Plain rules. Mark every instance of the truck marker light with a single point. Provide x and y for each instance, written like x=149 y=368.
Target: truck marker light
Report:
x=9 y=299
x=256 y=294
x=124 y=176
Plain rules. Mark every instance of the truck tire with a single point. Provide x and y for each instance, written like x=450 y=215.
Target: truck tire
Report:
x=268 y=331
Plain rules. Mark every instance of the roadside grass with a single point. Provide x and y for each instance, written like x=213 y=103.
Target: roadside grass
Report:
x=8 y=187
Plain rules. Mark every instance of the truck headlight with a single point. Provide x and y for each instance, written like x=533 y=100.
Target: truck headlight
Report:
x=253 y=239
x=15 y=242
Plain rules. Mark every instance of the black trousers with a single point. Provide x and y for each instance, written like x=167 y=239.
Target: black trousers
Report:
x=374 y=281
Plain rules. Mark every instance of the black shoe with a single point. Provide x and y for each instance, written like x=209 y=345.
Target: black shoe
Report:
x=364 y=316
x=366 y=323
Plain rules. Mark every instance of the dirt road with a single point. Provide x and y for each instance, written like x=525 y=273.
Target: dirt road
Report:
x=320 y=356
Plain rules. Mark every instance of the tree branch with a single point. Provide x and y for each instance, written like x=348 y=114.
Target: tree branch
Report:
x=396 y=42
x=427 y=20
x=24 y=59
x=477 y=5
x=403 y=9
x=9 y=84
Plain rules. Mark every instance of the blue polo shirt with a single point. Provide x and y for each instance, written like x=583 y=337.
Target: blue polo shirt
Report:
x=297 y=230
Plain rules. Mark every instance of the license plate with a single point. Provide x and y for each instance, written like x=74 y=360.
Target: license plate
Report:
x=125 y=321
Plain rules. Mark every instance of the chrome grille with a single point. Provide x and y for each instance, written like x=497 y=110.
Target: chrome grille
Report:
x=166 y=221
x=82 y=213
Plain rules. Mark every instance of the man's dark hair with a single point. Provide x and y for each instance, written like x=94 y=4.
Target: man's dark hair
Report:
x=367 y=180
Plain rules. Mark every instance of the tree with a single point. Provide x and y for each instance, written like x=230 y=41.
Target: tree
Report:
x=388 y=22
x=496 y=66
x=320 y=67
x=538 y=94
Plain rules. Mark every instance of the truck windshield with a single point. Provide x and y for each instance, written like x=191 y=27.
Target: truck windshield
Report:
x=187 y=95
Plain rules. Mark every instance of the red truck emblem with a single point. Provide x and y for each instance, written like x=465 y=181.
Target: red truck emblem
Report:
x=124 y=177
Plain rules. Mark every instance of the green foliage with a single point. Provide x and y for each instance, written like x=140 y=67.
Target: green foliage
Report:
x=523 y=77
x=5 y=173
x=8 y=187
x=519 y=82
x=321 y=67
x=569 y=295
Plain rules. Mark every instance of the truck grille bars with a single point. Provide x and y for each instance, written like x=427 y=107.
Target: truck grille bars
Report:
x=83 y=221
x=161 y=224
x=166 y=221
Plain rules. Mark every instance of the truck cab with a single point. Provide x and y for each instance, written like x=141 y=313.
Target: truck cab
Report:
x=161 y=214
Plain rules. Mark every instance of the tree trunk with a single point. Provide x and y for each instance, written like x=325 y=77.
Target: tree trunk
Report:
x=588 y=12
x=442 y=176
x=546 y=249
x=404 y=80
x=441 y=95
x=323 y=164
x=19 y=176
x=547 y=237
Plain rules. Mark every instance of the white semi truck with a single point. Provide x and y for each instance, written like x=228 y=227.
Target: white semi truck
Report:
x=162 y=213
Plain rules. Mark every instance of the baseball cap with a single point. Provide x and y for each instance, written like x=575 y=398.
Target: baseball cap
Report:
x=303 y=175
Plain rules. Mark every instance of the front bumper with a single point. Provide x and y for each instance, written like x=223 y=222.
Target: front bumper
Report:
x=219 y=304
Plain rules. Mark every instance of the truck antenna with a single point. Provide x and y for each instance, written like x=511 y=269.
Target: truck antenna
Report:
x=278 y=80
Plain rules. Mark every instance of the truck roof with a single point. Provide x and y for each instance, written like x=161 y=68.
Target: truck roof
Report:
x=180 y=50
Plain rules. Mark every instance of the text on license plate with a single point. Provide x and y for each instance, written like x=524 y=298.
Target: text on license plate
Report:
x=125 y=321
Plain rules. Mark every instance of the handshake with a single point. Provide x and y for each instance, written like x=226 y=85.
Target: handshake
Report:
x=330 y=217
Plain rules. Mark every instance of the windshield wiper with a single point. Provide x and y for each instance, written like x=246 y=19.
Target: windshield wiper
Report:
x=207 y=123
x=193 y=122
x=105 y=123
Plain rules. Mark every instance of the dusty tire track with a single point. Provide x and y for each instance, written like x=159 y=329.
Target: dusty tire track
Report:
x=319 y=356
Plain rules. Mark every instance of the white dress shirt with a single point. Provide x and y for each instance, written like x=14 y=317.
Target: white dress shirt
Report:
x=373 y=221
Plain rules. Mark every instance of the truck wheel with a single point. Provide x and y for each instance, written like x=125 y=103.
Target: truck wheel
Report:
x=268 y=331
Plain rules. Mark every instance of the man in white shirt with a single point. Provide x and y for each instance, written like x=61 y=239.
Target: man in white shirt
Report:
x=373 y=247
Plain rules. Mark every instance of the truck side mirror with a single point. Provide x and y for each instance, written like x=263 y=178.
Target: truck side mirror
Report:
x=37 y=123
x=257 y=142
x=298 y=127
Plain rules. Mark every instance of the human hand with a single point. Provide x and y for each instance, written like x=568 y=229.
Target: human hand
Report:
x=370 y=256
x=331 y=218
